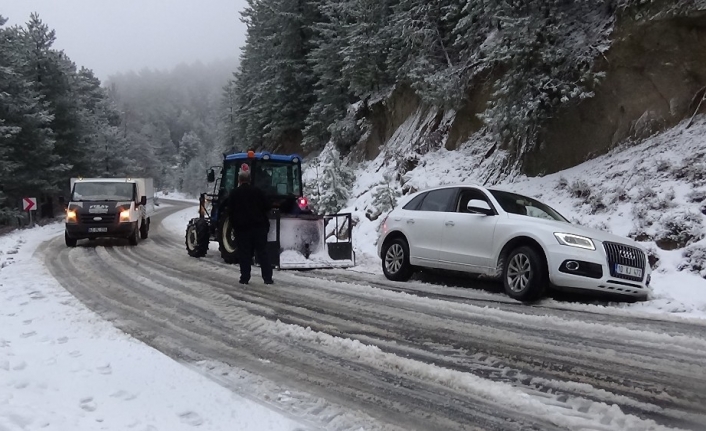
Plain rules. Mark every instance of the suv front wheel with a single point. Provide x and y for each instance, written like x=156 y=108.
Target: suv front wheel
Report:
x=525 y=274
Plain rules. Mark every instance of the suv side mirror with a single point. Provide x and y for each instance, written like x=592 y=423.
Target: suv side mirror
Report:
x=211 y=176
x=478 y=206
x=143 y=200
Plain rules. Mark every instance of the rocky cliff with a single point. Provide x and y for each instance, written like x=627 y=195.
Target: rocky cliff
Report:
x=654 y=75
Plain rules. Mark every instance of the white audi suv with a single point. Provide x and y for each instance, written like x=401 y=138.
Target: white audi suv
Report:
x=526 y=243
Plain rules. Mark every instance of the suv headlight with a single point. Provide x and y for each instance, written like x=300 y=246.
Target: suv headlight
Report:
x=575 y=241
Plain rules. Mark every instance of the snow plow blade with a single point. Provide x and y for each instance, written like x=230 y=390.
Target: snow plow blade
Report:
x=311 y=241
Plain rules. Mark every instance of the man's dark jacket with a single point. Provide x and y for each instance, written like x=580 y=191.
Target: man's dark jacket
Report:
x=248 y=208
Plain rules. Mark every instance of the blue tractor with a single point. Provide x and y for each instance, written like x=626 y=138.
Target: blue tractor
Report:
x=298 y=237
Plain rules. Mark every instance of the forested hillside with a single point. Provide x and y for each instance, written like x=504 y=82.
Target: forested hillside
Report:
x=346 y=71
x=177 y=119
x=535 y=86
x=55 y=120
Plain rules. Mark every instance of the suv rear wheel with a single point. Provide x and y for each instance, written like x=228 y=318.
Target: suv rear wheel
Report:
x=395 y=260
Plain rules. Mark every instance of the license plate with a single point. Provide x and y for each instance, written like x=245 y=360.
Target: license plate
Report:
x=97 y=229
x=630 y=271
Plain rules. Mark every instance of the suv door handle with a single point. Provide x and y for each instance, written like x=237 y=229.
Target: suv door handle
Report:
x=410 y=221
x=450 y=223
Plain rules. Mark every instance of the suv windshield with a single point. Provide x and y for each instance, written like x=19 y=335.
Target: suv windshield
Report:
x=523 y=205
x=103 y=191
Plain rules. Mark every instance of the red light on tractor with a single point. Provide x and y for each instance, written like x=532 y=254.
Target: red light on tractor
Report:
x=303 y=202
x=251 y=154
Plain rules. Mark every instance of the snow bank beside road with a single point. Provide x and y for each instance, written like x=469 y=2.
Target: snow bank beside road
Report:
x=64 y=368
x=654 y=192
x=177 y=196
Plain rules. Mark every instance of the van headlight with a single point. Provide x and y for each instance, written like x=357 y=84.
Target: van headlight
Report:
x=70 y=216
x=125 y=215
x=575 y=241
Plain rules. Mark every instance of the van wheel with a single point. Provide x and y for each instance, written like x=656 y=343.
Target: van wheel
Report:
x=134 y=238
x=525 y=274
x=395 y=260
x=144 y=229
x=70 y=242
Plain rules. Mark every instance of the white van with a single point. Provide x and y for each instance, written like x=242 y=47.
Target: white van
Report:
x=109 y=207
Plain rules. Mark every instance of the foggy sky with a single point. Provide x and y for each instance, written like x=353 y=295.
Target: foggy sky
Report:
x=111 y=36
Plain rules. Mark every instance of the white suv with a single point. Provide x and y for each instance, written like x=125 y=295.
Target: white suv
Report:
x=502 y=234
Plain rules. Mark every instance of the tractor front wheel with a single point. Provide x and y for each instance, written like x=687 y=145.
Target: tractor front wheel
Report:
x=226 y=241
x=197 y=238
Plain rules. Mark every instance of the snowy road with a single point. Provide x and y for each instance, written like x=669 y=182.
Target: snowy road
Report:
x=356 y=351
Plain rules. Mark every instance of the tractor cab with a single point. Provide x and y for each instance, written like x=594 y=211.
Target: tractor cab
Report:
x=279 y=177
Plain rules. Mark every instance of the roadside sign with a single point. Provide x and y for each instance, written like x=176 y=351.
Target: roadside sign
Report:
x=29 y=204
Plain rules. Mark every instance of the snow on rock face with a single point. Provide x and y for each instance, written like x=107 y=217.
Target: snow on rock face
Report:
x=63 y=368
x=653 y=192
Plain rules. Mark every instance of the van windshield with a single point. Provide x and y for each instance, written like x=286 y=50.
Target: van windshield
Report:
x=103 y=191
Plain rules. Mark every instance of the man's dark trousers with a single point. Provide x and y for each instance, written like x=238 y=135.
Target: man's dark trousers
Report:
x=253 y=242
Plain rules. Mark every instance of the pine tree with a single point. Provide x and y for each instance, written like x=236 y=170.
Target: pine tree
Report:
x=28 y=166
x=367 y=46
x=274 y=83
x=330 y=186
x=424 y=55
x=385 y=196
x=326 y=60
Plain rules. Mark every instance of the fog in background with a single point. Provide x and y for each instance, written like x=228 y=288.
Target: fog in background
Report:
x=112 y=36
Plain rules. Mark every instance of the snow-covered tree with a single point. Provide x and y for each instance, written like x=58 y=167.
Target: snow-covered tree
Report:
x=367 y=46
x=330 y=185
x=331 y=89
x=274 y=85
x=423 y=55
x=385 y=197
x=189 y=147
x=28 y=164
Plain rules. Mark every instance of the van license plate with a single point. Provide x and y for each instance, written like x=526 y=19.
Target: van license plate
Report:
x=97 y=229
x=630 y=271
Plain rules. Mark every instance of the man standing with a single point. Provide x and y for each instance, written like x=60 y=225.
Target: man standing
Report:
x=247 y=209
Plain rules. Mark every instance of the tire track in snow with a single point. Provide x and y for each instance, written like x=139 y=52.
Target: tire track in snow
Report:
x=643 y=355
x=160 y=322
x=177 y=303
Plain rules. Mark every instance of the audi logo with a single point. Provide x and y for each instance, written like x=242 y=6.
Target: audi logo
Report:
x=625 y=254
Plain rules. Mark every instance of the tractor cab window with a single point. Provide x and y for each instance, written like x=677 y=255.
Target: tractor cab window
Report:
x=230 y=175
x=277 y=178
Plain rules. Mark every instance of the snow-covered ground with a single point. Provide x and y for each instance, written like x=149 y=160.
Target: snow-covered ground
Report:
x=593 y=413
x=64 y=368
x=176 y=196
x=654 y=192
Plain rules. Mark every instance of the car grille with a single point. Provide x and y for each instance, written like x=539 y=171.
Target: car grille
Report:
x=624 y=255
x=104 y=218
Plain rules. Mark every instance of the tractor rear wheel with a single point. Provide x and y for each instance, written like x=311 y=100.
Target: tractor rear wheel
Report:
x=197 y=238
x=226 y=241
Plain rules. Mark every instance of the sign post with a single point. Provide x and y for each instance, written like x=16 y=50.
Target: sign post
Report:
x=29 y=205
